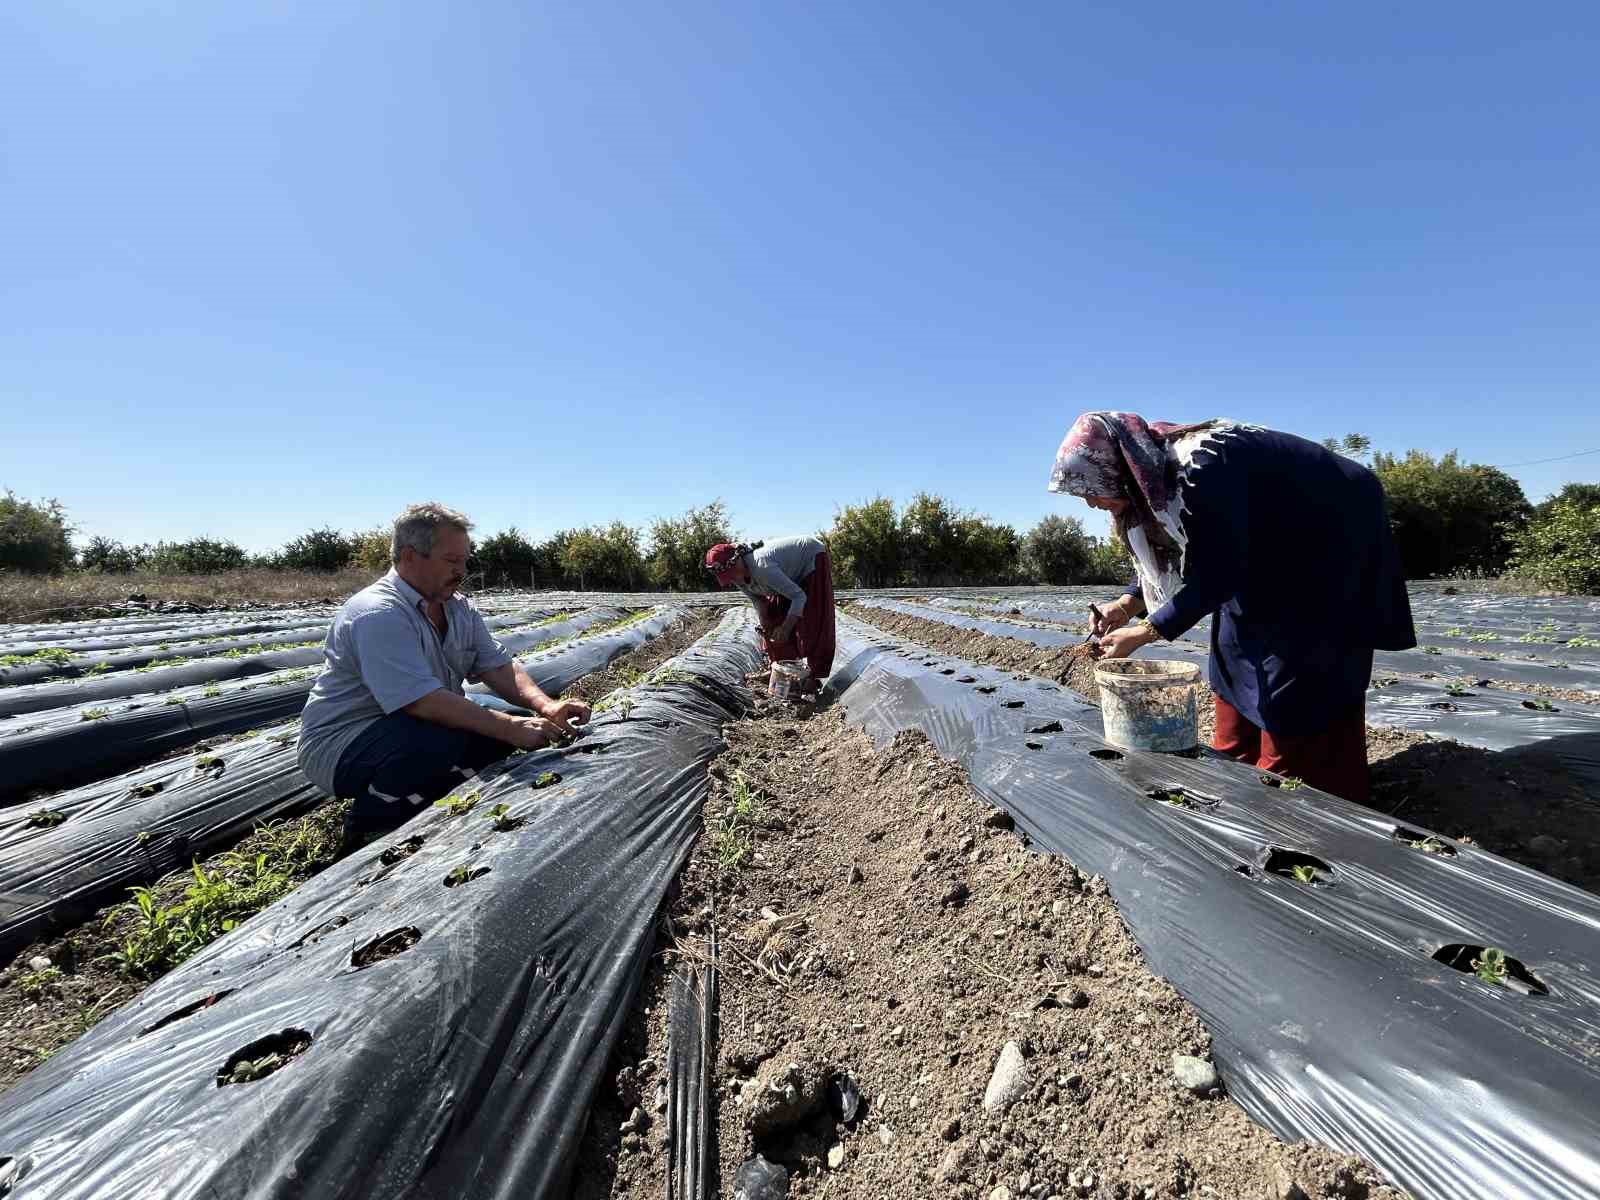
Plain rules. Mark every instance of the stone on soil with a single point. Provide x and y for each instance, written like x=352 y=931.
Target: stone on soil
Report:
x=759 y=1179
x=1196 y=1074
x=1009 y=1081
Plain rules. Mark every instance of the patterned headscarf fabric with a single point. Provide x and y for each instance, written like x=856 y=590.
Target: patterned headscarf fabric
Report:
x=1120 y=456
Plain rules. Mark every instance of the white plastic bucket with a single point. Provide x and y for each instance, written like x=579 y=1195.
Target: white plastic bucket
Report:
x=1149 y=705
x=787 y=680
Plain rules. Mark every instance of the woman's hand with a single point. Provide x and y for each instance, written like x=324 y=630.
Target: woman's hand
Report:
x=1123 y=642
x=1115 y=615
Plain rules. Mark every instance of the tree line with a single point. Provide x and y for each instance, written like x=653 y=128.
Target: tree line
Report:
x=1450 y=519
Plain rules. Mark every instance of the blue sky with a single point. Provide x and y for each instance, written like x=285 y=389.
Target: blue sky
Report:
x=270 y=266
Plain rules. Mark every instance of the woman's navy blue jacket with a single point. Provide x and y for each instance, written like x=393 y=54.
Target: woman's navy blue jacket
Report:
x=1290 y=551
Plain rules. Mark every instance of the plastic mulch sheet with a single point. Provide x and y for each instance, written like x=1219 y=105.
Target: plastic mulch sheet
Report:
x=127 y=831
x=134 y=828
x=1343 y=1002
x=428 y=1018
x=558 y=669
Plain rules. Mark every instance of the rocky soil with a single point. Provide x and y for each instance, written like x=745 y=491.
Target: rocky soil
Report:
x=887 y=939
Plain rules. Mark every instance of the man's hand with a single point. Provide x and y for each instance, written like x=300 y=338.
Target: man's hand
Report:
x=1122 y=642
x=529 y=733
x=564 y=714
x=1115 y=615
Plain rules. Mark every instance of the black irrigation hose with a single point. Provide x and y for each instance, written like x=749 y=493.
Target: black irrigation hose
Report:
x=282 y=1061
x=1343 y=1005
x=691 y=1038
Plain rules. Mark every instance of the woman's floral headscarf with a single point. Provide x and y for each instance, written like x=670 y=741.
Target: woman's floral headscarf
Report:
x=1119 y=456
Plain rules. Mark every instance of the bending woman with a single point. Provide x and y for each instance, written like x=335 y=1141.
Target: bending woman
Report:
x=1285 y=545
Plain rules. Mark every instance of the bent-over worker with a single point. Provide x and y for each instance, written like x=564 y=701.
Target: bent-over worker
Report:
x=790 y=583
x=387 y=724
x=1285 y=545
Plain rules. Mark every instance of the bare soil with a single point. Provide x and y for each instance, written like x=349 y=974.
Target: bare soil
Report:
x=1517 y=803
x=915 y=938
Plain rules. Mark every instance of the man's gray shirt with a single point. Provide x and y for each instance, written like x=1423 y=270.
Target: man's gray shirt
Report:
x=777 y=567
x=382 y=654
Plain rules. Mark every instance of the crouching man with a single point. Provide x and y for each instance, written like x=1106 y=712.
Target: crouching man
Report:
x=790 y=583
x=387 y=723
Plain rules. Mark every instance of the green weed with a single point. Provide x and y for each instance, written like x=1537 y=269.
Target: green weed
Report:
x=35 y=984
x=100 y=668
x=734 y=831
x=54 y=656
x=94 y=714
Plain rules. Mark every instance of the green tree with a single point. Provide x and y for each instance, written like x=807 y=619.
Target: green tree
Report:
x=197 y=556
x=930 y=540
x=987 y=552
x=1585 y=494
x=34 y=537
x=506 y=559
x=1560 y=548
x=107 y=556
x=549 y=564
x=1451 y=517
x=678 y=547
x=605 y=557
x=1109 y=562
x=864 y=543
x=1057 y=551
x=316 y=550
x=1352 y=445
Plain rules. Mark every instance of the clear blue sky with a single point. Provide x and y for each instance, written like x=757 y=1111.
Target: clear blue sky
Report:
x=268 y=266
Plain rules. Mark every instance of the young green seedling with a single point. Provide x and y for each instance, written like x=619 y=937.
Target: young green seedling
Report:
x=1490 y=966
x=45 y=818
x=1304 y=874
x=458 y=806
x=501 y=816
x=1432 y=650
x=1540 y=706
x=251 y=1069
x=94 y=714
x=1291 y=782
x=545 y=779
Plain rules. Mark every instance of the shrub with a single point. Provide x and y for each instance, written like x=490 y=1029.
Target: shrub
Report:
x=1109 y=562
x=198 y=556
x=1560 y=548
x=370 y=550
x=111 y=557
x=1057 y=551
x=607 y=557
x=678 y=547
x=318 y=550
x=34 y=538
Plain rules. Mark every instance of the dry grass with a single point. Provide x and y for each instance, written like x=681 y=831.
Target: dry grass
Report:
x=67 y=597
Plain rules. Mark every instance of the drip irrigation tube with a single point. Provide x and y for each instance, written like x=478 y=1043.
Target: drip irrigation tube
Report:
x=691 y=1036
x=1344 y=1006
x=427 y=1019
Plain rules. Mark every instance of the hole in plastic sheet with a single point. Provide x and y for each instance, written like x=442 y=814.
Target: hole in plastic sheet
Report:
x=401 y=850
x=948 y=671
x=590 y=748
x=1012 y=703
x=1295 y=865
x=464 y=874
x=1047 y=727
x=1243 y=869
x=1471 y=960
x=987 y=689
x=188 y=1010
x=1445 y=706
x=967 y=679
x=320 y=932
x=11 y=1172
x=1540 y=706
x=545 y=779
x=1177 y=797
x=1271 y=781
x=264 y=1056
x=1034 y=745
x=1107 y=755
x=386 y=945
x=1426 y=842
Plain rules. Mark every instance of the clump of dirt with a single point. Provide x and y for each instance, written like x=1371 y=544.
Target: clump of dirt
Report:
x=887 y=935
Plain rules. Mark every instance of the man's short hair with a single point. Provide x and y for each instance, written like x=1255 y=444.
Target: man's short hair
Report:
x=419 y=524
